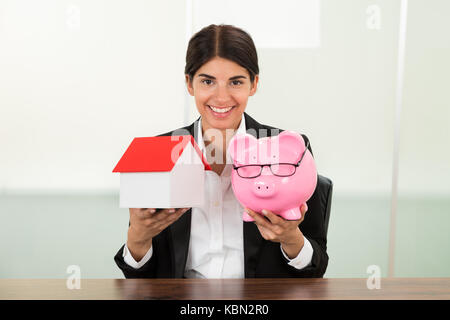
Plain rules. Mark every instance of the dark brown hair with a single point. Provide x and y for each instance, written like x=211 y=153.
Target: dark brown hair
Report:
x=225 y=41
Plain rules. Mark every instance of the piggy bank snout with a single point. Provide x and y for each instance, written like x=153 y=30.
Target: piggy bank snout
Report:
x=264 y=189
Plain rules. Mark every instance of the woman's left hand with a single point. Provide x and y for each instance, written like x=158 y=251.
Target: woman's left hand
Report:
x=274 y=228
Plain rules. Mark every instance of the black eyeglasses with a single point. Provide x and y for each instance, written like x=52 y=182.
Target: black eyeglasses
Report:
x=278 y=169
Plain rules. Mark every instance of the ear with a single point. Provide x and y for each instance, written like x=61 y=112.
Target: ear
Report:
x=240 y=145
x=293 y=141
x=189 y=85
x=254 y=85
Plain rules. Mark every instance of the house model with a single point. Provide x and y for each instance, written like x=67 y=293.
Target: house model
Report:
x=162 y=172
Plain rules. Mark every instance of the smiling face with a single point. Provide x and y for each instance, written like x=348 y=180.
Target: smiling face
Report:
x=221 y=89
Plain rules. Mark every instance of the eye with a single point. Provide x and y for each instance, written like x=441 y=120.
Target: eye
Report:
x=204 y=81
x=236 y=82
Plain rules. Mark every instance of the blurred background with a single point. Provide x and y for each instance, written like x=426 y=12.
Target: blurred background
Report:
x=366 y=80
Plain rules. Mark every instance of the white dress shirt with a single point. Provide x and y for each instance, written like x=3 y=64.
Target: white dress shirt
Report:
x=216 y=246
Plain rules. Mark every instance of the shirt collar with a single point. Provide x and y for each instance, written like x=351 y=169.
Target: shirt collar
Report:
x=201 y=143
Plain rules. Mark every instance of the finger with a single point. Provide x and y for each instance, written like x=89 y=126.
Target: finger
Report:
x=259 y=220
x=275 y=219
x=168 y=210
x=168 y=213
x=162 y=224
x=178 y=213
x=161 y=216
x=303 y=208
x=266 y=233
x=142 y=212
x=171 y=218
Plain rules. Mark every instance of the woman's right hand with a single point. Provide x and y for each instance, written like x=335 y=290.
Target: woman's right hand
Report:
x=147 y=223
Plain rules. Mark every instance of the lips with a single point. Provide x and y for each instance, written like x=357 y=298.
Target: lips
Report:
x=220 y=109
x=220 y=112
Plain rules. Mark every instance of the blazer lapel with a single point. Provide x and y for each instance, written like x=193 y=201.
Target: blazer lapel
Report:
x=180 y=230
x=253 y=241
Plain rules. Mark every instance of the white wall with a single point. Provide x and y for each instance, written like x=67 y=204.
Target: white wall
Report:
x=72 y=99
x=79 y=79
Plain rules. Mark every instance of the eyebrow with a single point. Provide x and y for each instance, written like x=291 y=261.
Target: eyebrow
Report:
x=211 y=77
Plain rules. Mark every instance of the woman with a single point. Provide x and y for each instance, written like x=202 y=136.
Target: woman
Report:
x=212 y=241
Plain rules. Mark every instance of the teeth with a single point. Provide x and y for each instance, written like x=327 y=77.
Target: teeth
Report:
x=220 y=110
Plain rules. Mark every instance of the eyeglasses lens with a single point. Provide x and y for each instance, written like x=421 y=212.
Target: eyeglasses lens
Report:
x=249 y=171
x=283 y=169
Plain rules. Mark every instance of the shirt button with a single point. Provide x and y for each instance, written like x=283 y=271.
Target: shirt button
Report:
x=216 y=203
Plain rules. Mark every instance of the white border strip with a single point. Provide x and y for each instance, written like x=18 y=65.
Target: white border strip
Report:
x=398 y=112
x=189 y=31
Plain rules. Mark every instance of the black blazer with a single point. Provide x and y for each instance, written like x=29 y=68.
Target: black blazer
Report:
x=262 y=258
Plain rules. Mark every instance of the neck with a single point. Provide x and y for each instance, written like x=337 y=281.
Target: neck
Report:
x=217 y=140
x=216 y=136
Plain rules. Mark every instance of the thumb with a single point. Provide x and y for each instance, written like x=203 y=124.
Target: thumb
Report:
x=303 y=208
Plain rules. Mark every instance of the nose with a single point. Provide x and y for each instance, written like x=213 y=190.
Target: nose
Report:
x=264 y=189
x=222 y=94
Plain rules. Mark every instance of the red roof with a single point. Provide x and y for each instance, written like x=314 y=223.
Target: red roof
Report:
x=150 y=154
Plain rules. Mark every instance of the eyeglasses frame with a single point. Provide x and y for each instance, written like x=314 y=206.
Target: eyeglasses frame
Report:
x=270 y=166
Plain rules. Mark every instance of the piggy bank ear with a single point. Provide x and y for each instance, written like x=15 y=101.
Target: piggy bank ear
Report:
x=293 y=141
x=240 y=146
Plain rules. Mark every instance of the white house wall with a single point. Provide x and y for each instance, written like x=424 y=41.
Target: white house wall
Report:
x=187 y=179
x=187 y=185
x=145 y=190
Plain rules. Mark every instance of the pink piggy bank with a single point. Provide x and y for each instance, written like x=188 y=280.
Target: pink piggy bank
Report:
x=275 y=173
